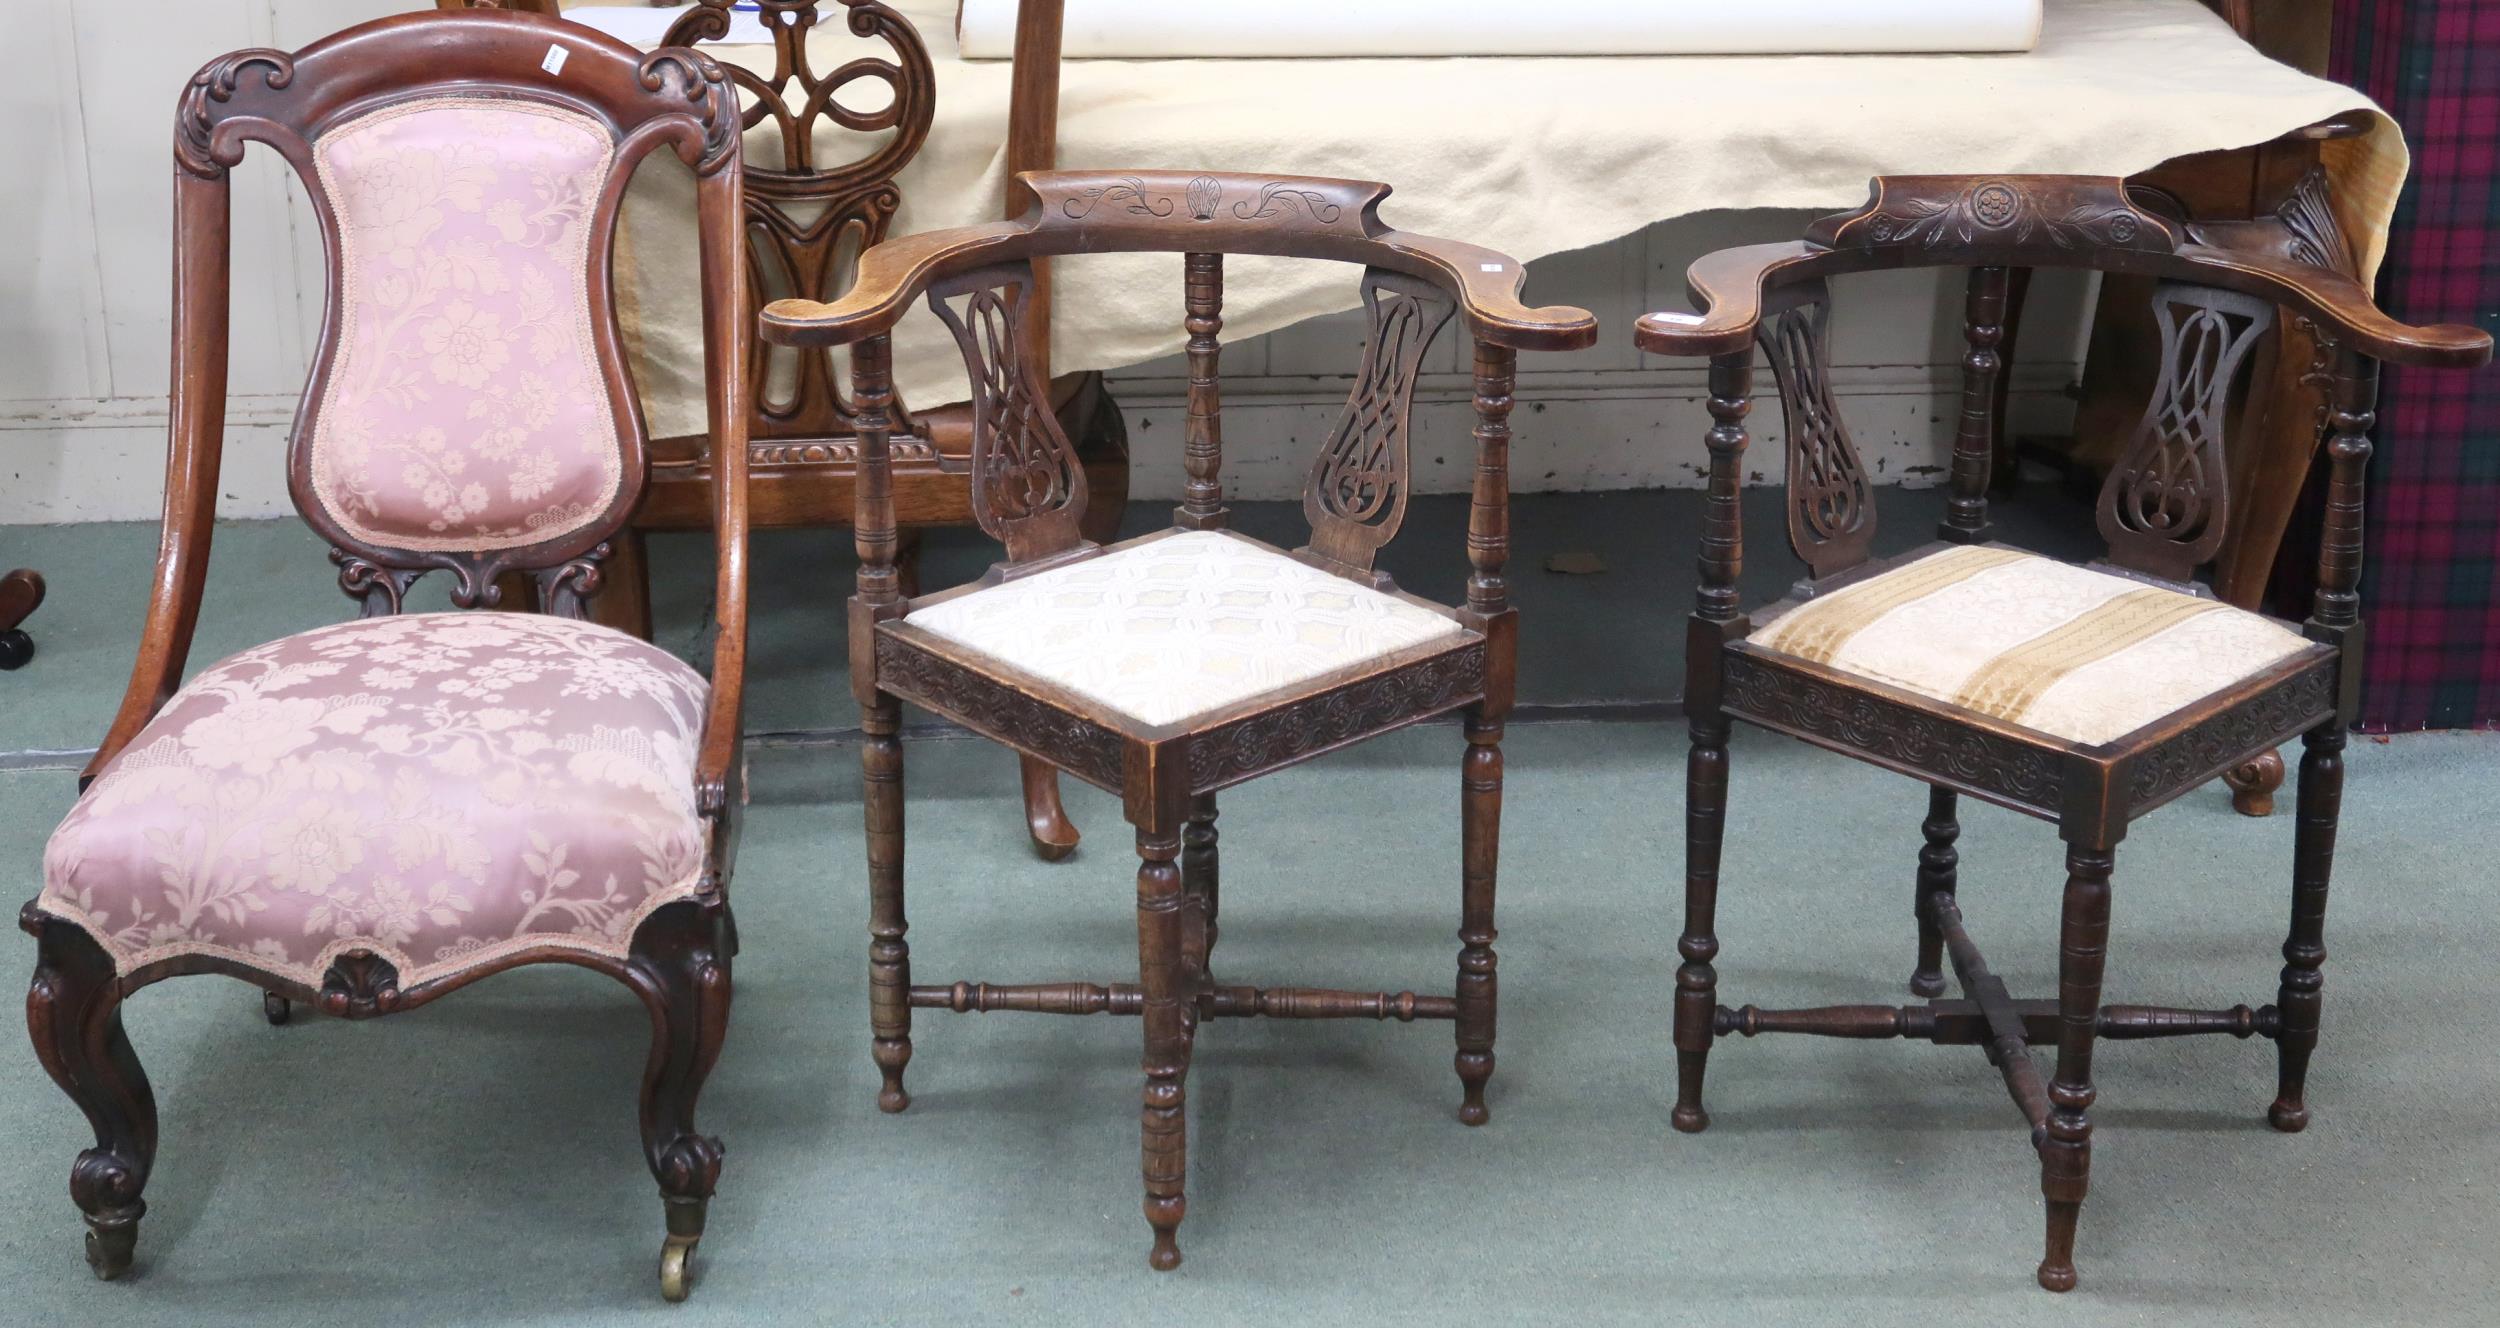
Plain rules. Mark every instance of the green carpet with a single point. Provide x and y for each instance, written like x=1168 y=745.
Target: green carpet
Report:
x=477 y=1161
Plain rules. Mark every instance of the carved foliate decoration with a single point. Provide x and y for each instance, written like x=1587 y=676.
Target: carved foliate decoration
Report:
x=1831 y=502
x=1203 y=198
x=1793 y=703
x=2058 y=212
x=383 y=591
x=1081 y=747
x=1356 y=496
x=359 y=985
x=2164 y=506
x=204 y=102
x=1028 y=488
x=808 y=222
x=2198 y=754
x=705 y=85
x=1234 y=752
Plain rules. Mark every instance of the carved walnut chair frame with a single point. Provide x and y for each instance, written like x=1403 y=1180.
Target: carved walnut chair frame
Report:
x=678 y=960
x=1031 y=494
x=2162 y=512
x=807 y=224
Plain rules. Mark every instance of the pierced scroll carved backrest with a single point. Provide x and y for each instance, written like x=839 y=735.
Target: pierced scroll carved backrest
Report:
x=2164 y=506
x=1028 y=487
x=1356 y=497
x=807 y=223
x=1831 y=500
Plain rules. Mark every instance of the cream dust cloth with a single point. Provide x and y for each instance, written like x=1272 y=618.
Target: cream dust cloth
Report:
x=1528 y=156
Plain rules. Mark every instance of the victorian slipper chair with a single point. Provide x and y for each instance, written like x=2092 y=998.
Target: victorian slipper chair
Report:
x=2083 y=695
x=370 y=815
x=1173 y=665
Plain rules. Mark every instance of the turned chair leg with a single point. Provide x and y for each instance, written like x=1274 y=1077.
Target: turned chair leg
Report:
x=1054 y=836
x=1937 y=863
x=2304 y=950
x=73 y=1013
x=1480 y=834
x=889 y=956
x=679 y=964
x=2253 y=783
x=1198 y=882
x=1696 y=982
x=1161 y=965
x=2066 y=1141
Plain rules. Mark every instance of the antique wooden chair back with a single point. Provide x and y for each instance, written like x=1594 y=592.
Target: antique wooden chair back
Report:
x=2164 y=507
x=1030 y=493
x=461 y=415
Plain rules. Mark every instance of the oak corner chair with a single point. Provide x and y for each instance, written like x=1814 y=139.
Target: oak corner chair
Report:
x=1050 y=652
x=368 y=816
x=2082 y=695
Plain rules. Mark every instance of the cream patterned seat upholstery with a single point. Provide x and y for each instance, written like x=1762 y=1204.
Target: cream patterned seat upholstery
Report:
x=1167 y=629
x=440 y=789
x=2080 y=655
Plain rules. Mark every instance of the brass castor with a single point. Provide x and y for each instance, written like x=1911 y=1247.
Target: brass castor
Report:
x=677 y=1268
x=110 y=1246
x=278 y=1008
x=685 y=1231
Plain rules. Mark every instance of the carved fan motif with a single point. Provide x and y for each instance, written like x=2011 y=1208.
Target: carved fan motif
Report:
x=1028 y=488
x=807 y=223
x=2163 y=508
x=1357 y=492
x=1831 y=509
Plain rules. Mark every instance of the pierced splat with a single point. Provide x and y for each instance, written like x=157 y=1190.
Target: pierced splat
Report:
x=1831 y=507
x=1357 y=493
x=807 y=223
x=1028 y=488
x=2165 y=504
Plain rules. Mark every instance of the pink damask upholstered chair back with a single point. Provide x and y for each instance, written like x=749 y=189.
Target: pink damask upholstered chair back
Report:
x=366 y=816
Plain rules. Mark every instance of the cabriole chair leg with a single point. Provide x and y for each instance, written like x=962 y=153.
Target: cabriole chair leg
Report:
x=679 y=964
x=73 y=1013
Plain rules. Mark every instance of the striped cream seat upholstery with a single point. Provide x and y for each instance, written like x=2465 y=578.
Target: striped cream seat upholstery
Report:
x=2078 y=654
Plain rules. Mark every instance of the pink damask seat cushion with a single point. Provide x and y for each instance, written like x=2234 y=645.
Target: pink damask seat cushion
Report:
x=440 y=789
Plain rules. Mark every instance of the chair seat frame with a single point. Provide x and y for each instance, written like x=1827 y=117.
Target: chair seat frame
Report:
x=2162 y=511
x=677 y=961
x=1030 y=494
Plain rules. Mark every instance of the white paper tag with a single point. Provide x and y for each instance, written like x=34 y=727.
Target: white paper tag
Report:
x=1488 y=267
x=556 y=56
x=1686 y=319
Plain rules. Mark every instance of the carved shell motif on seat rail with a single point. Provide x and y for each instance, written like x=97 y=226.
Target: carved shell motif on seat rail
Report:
x=807 y=222
x=2165 y=503
x=1356 y=496
x=1831 y=508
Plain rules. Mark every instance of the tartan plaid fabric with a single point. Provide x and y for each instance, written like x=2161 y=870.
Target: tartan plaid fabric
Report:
x=2429 y=591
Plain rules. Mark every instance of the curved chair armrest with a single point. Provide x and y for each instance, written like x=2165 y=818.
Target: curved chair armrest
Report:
x=2337 y=301
x=891 y=276
x=1728 y=287
x=721 y=215
x=1485 y=283
x=1076 y=212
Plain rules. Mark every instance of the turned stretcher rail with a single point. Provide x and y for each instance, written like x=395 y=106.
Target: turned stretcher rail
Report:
x=1961 y=1023
x=1213 y=1001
